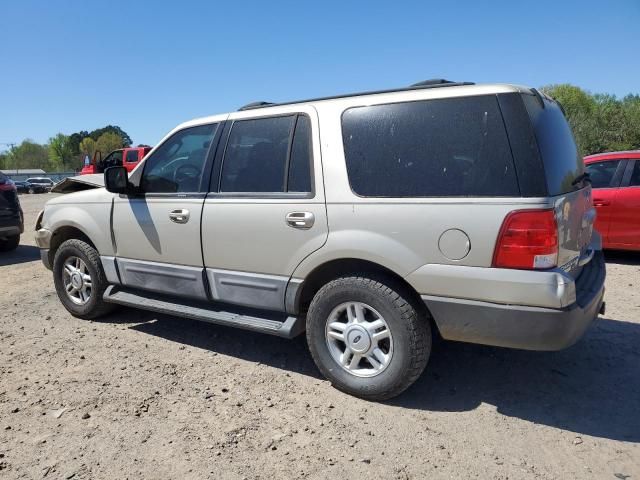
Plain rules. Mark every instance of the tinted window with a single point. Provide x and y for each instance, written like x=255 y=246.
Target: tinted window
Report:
x=601 y=173
x=256 y=155
x=445 y=147
x=635 y=175
x=3 y=178
x=562 y=163
x=301 y=157
x=113 y=159
x=132 y=156
x=177 y=164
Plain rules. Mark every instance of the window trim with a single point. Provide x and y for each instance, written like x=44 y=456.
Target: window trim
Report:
x=404 y=197
x=626 y=177
x=206 y=168
x=214 y=190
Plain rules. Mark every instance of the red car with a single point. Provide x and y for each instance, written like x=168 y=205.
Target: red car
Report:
x=615 y=178
x=127 y=157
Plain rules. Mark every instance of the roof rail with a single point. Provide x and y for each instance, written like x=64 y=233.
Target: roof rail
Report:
x=433 y=83
x=251 y=105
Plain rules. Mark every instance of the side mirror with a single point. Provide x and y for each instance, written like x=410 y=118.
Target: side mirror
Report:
x=116 y=180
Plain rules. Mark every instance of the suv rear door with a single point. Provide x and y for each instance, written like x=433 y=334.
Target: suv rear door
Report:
x=266 y=208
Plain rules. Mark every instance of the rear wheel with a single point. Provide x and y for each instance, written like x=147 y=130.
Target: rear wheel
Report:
x=368 y=337
x=8 y=244
x=80 y=280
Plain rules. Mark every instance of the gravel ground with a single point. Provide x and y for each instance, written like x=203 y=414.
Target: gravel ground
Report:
x=140 y=395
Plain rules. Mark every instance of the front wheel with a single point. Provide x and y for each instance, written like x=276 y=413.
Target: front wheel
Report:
x=80 y=280
x=32 y=191
x=368 y=336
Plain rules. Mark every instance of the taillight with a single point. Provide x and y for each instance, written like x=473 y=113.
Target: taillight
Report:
x=528 y=239
x=7 y=187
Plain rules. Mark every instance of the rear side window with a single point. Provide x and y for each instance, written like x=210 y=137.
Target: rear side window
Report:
x=601 y=173
x=434 y=148
x=265 y=155
x=562 y=162
x=634 y=181
x=132 y=156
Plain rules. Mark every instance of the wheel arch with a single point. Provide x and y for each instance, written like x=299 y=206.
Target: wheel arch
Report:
x=336 y=268
x=64 y=233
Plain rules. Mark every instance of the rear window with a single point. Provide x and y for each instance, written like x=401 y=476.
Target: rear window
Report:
x=433 y=148
x=132 y=156
x=562 y=162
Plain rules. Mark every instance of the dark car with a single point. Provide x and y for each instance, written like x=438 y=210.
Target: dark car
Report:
x=11 y=218
x=28 y=187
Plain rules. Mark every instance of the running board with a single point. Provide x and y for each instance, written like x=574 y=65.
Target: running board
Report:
x=272 y=323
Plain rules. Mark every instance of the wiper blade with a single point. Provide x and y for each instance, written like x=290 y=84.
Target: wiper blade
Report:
x=585 y=177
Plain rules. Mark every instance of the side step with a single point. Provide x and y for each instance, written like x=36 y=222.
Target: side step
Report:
x=272 y=323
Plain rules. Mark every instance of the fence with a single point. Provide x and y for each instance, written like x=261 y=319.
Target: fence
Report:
x=55 y=176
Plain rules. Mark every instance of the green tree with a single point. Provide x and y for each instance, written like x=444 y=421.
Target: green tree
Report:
x=87 y=147
x=125 y=140
x=61 y=152
x=28 y=154
x=4 y=159
x=107 y=142
x=580 y=108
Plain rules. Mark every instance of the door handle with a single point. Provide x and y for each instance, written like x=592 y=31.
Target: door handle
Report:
x=600 y=203
x=180 y=215
x=302 y=220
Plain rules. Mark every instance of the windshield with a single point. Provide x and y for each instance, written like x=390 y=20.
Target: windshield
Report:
x=562 y=163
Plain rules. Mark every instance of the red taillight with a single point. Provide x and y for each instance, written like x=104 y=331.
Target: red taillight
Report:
x=7 y=186
x=528 y=239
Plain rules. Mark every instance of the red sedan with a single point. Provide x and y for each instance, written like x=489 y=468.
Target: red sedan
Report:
x=615 y=178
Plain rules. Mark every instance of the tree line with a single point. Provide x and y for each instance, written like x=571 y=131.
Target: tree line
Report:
x=64 y=152
x=600 y=122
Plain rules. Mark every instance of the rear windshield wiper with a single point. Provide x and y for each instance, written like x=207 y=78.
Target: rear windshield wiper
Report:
x=585 y=177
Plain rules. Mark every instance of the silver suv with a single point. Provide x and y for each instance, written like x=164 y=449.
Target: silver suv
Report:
x=370 y=220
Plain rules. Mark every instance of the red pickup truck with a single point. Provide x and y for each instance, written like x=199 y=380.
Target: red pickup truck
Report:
x=127 y=157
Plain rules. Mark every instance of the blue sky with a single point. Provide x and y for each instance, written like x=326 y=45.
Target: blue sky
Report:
x=147 y=66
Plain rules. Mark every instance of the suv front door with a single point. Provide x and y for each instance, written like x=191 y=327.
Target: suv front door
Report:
x=266 y=208
x=157 y=232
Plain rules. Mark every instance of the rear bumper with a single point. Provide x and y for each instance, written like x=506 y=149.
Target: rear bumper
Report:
x=10 y=230
x=524 y=327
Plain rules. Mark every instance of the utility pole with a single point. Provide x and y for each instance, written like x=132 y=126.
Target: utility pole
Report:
x=11 y=147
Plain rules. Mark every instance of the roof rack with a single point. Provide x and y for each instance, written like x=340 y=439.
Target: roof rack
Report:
x=432 y=83
x=251 y=105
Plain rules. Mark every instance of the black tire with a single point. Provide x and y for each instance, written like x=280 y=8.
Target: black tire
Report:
x=407 y=322
x=9 y=244
x=31 y=191
x=95 y=306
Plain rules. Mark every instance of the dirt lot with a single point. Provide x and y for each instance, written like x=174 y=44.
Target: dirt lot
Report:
x=140 y=395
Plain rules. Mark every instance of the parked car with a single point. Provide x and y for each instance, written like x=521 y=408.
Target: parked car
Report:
x=127 y=157
x=615 y=178
x=45 y=182
x=27 y=187
x=11 y=217
x=368 y=220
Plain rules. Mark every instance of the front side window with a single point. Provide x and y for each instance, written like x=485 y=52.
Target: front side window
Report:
x=601 y=173
x=177 y=165
x=113 y=159
x=433 y=148
x=263 y=155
